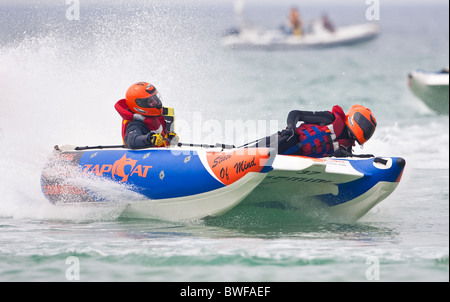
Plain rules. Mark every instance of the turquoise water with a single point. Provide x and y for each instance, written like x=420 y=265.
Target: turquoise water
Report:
x=59 y=80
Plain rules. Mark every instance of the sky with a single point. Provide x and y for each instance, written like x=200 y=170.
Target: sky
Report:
x=250 y=2
x=328 y=2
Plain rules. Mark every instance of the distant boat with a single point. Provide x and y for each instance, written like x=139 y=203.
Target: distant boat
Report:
x=431 y=88
x=321 y=34
x=280 y=39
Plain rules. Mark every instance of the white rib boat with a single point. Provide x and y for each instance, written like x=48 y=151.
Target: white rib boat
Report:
x=431 y=88
x=319 y=38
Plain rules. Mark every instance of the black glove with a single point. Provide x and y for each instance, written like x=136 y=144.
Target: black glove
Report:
x=287 y=134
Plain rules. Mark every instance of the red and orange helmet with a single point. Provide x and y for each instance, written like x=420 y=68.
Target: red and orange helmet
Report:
x=361 y=123
x=143 y=98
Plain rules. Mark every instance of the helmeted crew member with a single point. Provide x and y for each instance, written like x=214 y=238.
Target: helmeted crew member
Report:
x=143 y=124
x=324 y=133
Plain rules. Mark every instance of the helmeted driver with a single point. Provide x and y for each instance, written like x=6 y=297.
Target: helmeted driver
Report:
x=143 y=124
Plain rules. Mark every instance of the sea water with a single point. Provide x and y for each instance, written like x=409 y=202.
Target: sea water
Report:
x=62 y=68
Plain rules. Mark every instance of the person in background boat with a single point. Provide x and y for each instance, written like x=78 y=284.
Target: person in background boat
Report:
x=295 y=22
x=323 y=133
x=320 y=25
x=143 y=124
x=326 y=22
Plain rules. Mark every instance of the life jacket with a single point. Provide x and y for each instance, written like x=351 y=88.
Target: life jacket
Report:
x=323 y=140
x=163 y=124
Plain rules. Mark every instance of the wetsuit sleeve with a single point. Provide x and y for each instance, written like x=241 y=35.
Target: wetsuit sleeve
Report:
x=122 y=108
x=137 y=135
x=309 y=117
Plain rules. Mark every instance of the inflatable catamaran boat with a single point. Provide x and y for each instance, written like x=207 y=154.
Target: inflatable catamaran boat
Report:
x=184 y=183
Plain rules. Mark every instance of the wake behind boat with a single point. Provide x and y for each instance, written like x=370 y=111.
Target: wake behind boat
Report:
x=184 y=183
x=250 y=38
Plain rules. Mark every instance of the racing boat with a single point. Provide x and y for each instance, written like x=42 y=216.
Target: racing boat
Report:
x=431 y=88
x=251 y=38
x=189 y=182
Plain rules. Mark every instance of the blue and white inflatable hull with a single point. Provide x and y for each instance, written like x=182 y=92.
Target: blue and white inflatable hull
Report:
x=345 y=189
x=180 y=183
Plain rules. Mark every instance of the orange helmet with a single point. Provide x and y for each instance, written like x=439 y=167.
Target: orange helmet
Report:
x=361 y=123
x=143 y=98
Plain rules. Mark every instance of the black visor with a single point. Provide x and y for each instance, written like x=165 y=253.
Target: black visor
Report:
x=368 y=127
x=151 y=102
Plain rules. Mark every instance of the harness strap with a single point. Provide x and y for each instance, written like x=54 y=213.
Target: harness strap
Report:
x=292 y=149
x=320 y=136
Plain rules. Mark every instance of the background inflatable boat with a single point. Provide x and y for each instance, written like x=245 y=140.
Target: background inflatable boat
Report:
x=249 y=38
x=431 y=88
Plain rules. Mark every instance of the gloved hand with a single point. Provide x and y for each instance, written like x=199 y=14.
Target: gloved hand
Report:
x=138 y=117
x=173 y=138
x=287 y=134
x=156 y=139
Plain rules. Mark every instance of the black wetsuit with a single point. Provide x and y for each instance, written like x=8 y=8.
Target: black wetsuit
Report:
x=286 y=139
x=309 y=117
x=137 y=135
